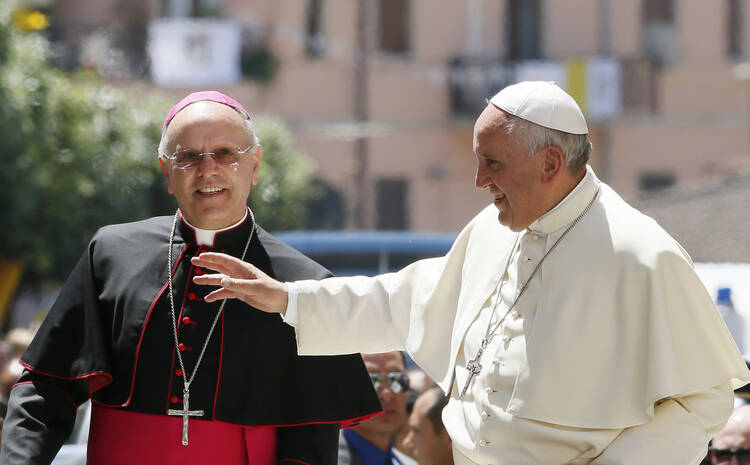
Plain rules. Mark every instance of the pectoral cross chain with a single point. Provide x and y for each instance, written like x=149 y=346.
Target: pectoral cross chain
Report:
x=473 y=367
x=185 y=413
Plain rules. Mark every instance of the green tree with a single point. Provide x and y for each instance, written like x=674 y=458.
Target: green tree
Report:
x=285 y=187
x=78 y=154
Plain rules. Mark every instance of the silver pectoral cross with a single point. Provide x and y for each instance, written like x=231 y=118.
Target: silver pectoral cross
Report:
x=473 y=367
x=185 y=413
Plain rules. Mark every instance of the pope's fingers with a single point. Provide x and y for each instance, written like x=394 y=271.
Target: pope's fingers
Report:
x=220 y=294
x=226 y=264
x=222 y=263
x=209 y=279
x=244 y=287
x=239 y=288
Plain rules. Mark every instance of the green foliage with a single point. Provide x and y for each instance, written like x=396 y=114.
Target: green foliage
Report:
x=285 y=181
x=78 y=154
x=259 y=64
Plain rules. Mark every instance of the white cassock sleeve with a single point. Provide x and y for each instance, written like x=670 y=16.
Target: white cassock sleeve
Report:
x=291 y=315
x=678 y=433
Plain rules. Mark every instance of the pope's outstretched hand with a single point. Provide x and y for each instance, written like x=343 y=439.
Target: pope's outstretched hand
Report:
x=240 y=280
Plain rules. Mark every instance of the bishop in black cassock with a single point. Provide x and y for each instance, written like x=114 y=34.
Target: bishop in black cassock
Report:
x=109 y=337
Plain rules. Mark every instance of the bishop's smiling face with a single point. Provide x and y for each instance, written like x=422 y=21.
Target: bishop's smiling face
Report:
x=211 y=195
x=504 y=167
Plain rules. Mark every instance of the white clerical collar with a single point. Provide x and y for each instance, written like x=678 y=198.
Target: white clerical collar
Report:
x=206 y=236
x=569 y=207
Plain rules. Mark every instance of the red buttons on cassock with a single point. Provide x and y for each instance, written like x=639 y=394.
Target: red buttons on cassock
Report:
x=181 y=346
x=178 y=372
x=174 y=399
x=192 y=296
x=199 y=271
x=186 y=320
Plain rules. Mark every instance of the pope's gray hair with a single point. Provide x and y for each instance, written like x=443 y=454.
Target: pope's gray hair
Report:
x=249 y=127
x=575 y=147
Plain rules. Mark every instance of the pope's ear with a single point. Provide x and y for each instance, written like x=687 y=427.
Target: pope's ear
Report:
x=165 y=171
x=552 y=163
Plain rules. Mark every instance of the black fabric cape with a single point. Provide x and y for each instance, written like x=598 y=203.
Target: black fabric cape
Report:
x=109 y=336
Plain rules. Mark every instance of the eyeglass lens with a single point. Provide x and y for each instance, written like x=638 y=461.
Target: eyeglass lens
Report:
x=724 y=456
x=221 y=155
x=397 y=381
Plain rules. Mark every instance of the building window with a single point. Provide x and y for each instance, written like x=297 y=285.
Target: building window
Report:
x=190 y=8
x=326 y=210
x=659 y=35
x=391 y=203
x=314 y=44
x=658 y=11
x=393 y=26
x=734 y=29
x=524 y=29
x=656 y=181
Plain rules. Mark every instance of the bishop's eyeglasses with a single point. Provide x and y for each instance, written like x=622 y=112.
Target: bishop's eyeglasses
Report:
x=398 y=381
x=187 y=158
x=724 y=456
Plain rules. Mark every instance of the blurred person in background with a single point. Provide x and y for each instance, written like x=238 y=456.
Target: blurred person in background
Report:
x=566 y=326
x=16 y=342
x=731 y=445
x=418 y=383
x=174 y=379
x=371 y=442
x=11 y=348
x=431 y=441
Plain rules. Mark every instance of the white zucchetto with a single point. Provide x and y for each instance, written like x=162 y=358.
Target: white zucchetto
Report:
x=543 y=103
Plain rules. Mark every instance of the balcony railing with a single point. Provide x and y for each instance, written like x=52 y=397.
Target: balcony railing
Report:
x=604 y=87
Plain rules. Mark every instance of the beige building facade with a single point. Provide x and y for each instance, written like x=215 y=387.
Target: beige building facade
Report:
x=382 y=94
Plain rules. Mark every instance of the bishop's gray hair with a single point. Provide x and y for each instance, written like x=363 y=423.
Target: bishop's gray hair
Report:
x=249 y=127
x=575 y=147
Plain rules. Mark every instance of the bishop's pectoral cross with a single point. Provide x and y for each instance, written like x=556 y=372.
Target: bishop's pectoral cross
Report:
x=185 y=413
x=473 y=367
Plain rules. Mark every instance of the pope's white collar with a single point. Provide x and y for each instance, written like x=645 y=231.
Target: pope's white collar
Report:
x=570 y=207
x=206 y=236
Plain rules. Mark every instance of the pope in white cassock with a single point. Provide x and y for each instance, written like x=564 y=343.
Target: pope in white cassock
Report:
x=571 y=331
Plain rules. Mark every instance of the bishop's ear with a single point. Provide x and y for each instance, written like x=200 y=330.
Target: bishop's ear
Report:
x=256 y=166
x=165 y=170
x=553 y=162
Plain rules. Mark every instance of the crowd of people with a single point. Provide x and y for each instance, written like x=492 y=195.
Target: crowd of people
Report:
x=410 y=429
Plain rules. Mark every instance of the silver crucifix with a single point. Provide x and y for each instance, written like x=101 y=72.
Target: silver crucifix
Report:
x=473 y=367
x=185 y=413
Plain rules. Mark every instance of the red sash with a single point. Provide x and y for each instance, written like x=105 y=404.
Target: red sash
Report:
x=119 y=437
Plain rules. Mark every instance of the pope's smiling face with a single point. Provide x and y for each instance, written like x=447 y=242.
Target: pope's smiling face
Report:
x=504 y=167
x=210 y=195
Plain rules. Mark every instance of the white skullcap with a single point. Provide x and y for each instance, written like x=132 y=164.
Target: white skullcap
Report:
x=543 y=103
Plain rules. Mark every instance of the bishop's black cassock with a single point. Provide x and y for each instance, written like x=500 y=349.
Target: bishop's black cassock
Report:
x=109 y=337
